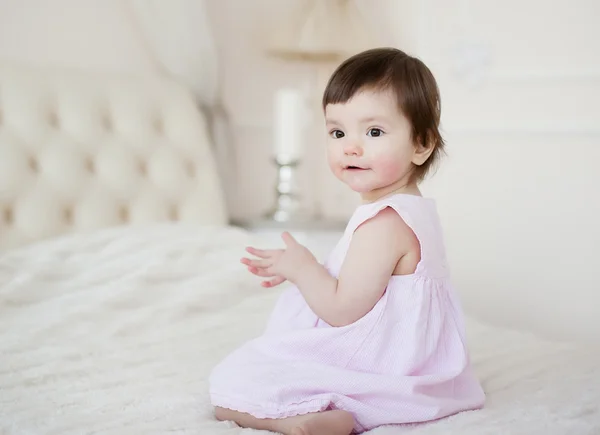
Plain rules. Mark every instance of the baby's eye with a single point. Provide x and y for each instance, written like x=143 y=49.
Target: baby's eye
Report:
x=336 y=134
x=375 y=132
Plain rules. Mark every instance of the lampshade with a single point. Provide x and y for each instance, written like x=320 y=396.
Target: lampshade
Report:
x=324 y=31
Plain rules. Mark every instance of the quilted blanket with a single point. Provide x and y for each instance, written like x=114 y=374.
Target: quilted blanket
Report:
x=114 y=332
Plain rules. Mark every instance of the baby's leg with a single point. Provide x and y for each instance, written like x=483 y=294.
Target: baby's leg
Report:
x=319 y=423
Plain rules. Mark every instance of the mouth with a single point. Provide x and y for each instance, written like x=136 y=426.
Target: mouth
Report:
x=354 y=168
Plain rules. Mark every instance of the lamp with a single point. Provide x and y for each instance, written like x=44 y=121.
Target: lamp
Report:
x=323 y=33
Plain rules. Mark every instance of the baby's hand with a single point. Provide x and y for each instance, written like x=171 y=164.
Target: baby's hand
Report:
x=280 y=264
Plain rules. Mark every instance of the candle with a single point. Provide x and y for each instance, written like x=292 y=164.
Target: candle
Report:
x=289 y=117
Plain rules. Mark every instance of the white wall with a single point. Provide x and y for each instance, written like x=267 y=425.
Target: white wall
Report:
x=74 y=33
x=518 y=192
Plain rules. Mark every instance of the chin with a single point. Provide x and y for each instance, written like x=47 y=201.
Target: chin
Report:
x=360 y=188
x=357 y=185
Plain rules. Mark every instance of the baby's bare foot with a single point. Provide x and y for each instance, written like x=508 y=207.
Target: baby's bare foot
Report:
x=326 y=423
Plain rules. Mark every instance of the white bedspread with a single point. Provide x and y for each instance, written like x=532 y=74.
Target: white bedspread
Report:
x=115 y=332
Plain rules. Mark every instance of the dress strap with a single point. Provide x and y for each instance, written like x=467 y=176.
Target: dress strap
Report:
x=368 y=211
x=417 y=213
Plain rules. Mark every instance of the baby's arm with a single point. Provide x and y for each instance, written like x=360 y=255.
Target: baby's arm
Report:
x=376 y=248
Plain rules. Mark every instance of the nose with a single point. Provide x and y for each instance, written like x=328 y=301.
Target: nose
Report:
x=352 y=148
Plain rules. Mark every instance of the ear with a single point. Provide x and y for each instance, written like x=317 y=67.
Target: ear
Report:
x=422 y=151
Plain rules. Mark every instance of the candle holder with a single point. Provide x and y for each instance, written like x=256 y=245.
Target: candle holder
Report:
x=288 y=201
x=288 y=211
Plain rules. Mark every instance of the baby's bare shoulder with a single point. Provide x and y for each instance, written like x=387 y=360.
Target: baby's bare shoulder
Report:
x=386 y=229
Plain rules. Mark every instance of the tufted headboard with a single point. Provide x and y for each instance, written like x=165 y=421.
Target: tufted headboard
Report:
x=82 y=151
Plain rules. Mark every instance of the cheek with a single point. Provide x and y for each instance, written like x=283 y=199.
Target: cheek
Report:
x=389 y=168
x=333 y=159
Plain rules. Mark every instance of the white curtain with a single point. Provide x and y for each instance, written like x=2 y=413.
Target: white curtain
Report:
x=179 y=38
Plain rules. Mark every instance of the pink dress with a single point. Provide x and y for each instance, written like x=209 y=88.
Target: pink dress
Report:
x=406 y=361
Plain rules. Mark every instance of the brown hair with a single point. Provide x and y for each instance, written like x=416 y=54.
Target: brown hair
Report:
x=411 y=81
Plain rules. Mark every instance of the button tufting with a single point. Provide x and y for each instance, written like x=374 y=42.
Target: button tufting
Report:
x=159 y=126
x=173 y=213
x=68 y=215
x=33 y=164
x=143 y=167
x=106 y=122
x=124 y=213
x=53 y=119
x=100 y=152
x=8 y=215
x=190 y=169
x=90 y=165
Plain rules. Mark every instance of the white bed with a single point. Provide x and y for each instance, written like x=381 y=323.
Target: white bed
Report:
x=115 y=333
x=114 y=310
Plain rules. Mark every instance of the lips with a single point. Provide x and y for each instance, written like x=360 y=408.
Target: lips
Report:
x=354 y=168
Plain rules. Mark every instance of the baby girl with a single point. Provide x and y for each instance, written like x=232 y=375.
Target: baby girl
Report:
x=375 y=335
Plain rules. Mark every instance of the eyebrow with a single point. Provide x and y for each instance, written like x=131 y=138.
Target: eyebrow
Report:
x=373 y=118
x=362 y=120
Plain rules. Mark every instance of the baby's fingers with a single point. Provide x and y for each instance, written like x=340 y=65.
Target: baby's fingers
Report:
x=260 y=272
x=261 y=253
x=273 y=282
x=256 y=263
